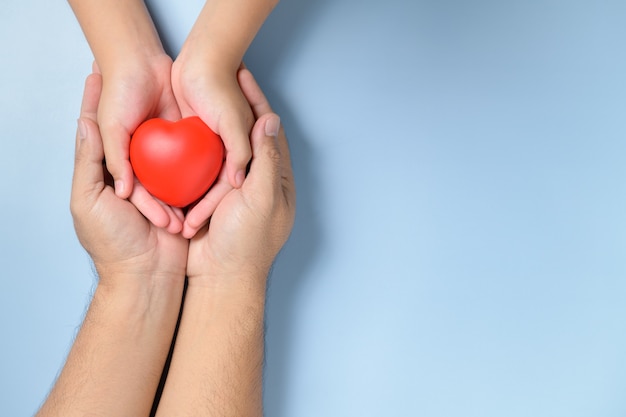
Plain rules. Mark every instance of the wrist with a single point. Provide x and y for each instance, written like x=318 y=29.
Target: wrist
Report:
x=252 y=283
x=214 y=27
x=139 y=290
x=230 y=298
x=202 y=55
x=219 y=352
x=118 y=32
x=136 y=53
x=153 y=64
x=212 y=40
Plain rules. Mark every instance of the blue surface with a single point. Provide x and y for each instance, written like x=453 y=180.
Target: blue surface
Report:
x=461 y=231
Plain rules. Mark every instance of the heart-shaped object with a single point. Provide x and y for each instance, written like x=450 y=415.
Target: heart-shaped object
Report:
x=177 y=162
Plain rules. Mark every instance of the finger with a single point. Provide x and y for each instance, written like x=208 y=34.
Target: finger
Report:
x=88 y=179
x=260 y=106
x=88 y=174
x=116 y=148
x=178 y=212
x=265 y=170
x=149 y=206
x=91 y=97
x=189 y=232
x=199 y=214
x=235 y=137
x=234 y=133
x=253 y=93
x=175 y=224
x=271 y=173
x=156 y=211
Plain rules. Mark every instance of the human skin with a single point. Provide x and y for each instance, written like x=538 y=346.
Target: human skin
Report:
x=204 y=79
x=136 y=75
x=116 y=361
x=217 y=364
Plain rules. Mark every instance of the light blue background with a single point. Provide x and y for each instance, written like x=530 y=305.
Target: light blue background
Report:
x=460 y=239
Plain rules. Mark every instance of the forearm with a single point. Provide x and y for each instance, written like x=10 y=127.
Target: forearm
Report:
x=225 y=28
x=117 y=30
x=217 y=366
x=115 y=364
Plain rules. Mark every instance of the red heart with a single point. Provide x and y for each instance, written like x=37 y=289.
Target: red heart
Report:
x=177 y=162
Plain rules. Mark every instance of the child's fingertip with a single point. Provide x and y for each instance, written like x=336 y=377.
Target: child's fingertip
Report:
x=240 y=177
x=120 y=188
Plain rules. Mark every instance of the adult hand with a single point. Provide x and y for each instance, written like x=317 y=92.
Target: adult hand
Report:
x=132 y=93
x=251 y=223
x=217 y=363
x=119 y=239
x=116 y=361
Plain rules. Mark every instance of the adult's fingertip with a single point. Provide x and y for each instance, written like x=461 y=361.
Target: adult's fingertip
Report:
x=82 y=129
x=272 y=126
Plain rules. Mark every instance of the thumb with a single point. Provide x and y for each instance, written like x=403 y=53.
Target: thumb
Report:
x=116 y=146
x=265 y=169
x=234 y=131
x=88 y=180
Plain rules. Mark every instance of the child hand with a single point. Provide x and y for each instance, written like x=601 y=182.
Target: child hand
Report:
x=213 y=93
x=132 y=93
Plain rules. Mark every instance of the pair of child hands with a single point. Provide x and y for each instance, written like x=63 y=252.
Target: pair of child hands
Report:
x=152 y=92
x=140 y=82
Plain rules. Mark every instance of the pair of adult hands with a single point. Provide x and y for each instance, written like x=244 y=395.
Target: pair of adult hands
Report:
x=248 y=226
x=118 y=357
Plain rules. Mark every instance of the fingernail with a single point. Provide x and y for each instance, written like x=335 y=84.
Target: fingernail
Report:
x=240 y=176
x=82 y=129
x=272 y=125
x=119 y=187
